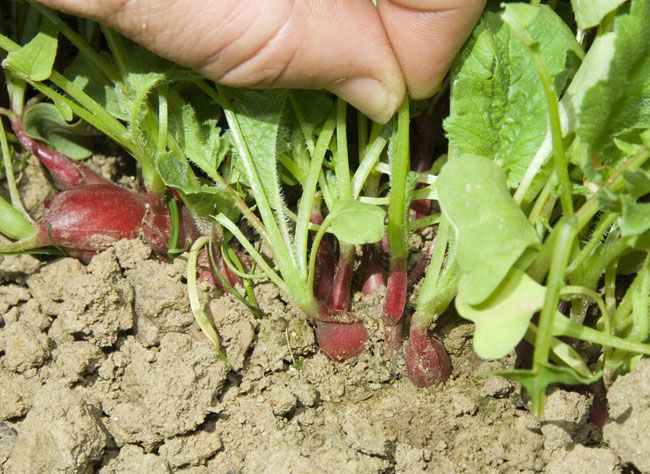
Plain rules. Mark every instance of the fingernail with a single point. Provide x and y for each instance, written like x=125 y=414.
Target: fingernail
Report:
x=370 y=96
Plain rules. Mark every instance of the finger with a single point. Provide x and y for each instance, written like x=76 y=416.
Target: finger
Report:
x=334 y=44
x=426 y=35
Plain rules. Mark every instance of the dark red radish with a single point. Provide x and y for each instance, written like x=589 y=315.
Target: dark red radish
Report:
x=371 y=274
x=341 y=341
x=427 y=361
x=87 y=219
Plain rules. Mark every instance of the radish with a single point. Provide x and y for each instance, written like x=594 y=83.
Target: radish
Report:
x=91 y=213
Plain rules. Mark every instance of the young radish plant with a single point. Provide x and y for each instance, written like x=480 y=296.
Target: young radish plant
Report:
x=144 y=104
x=555 y=218
x=306 y=268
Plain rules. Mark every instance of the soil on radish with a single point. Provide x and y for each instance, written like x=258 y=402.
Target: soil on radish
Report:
x=102 y=369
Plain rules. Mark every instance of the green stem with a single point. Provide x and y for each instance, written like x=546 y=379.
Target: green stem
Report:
x=13 y=224
x=9 y=174
x=614 y=183
x=573 y=290
x=369 y=159
x=566 y=231
x=604 y=224
x=341 y=161
x=398 y=202
x=560 y=161
x=301 y=235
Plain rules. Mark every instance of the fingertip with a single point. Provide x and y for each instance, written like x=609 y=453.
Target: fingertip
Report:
x=426 y=35
x=378 y=100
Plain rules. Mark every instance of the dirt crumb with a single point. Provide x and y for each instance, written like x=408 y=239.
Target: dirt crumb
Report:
x=192 y=449
x=132 y=458
x=629 y=411
x=8 y=435
x=16 y=394
x=74 y=359
x=24 y=347
x=583 y=460
x=566 y=413
x=161 y=304
x=85 y=305
x=159 y=394
x=62 y=433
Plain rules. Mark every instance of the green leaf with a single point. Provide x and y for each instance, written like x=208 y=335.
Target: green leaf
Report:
x=635 y=218
x=589 y=13
x=44 y=122
x=498 y=106
x=637 y=182
x=356 y=222
x=502 y=320
x=618 y=105
x=36 y=58
x=176 y=173
x=84 y=75
x=260 y=115
x=492 y=230
x=198 y=136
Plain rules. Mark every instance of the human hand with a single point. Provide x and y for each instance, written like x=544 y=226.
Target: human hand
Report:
x=368 y=56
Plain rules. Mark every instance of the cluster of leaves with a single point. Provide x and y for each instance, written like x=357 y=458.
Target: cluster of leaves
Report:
x=547 y=196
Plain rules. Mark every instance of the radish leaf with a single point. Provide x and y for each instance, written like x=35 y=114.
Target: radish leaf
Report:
x=618 y=106
x=498 y=107
x=36 y=58
x=492 y=230
x=501 y=321
x=44 y=122
x=356 y=222
x=590 y=13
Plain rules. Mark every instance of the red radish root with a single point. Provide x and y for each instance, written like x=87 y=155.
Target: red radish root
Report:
x=427 y=361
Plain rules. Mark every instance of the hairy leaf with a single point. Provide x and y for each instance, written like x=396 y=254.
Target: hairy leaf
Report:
x=498 y=107
x=618 y=105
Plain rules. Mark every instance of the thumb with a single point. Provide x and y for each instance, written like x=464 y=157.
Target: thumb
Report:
x=426 y=35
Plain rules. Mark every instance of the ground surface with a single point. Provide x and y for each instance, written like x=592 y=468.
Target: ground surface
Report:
x=102 y=369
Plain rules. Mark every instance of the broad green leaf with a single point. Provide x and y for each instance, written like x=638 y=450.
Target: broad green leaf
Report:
x=637 y=182
x=36 y=58
x=176 y=173
x=502 y=320
x=199 y=137
x=260 y=115
x=618 y=105
x=635 y=219
x=356 y=222
x=498 y=107
x=44 y=122
x=492 y=230
x=145 y=71
x=314 y=107
x=203 y=199
x=589 y=13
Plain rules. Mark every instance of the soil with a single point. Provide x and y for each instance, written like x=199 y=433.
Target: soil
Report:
x=103 y=369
